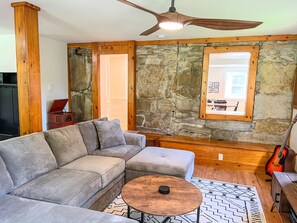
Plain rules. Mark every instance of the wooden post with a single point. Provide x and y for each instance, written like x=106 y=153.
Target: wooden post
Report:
x=95 y=81
x=131 y=85
x=28 y=66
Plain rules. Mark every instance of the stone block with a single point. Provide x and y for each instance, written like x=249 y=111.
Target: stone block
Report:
x=80 y=72
x=158 y=120
x=276 y=78
x=143 y=104
x=82 y=106
x=273 y=126
x=186 y=104
x=165 y=105
x=151 y=82
x=227 y=125
x=272 y=106
x=193 y=130
x=153 y=60
x=187 y=117
x=284 y=52
x=140 y=119
x=153 y=107
x=224 y=135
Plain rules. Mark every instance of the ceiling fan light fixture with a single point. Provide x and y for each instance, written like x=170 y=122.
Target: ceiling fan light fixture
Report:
x=171 y=25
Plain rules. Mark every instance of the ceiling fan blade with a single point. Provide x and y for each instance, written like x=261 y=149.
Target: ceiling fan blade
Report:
x=177 y=17
x=223 y=24
x=141 y=8
x=151 y=30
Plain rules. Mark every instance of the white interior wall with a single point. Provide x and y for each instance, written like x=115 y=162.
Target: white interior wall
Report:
x=54 y=76
x=8 y=53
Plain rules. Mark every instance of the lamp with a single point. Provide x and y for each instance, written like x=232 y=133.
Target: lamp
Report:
x=171 y=25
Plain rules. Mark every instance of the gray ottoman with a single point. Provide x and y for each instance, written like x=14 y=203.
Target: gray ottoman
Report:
x=157 y=160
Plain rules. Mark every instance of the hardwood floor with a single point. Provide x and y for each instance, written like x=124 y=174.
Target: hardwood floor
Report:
x=243 y=177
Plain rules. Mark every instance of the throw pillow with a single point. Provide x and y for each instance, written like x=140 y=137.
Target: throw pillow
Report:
x=90 y=135
x=110 y=133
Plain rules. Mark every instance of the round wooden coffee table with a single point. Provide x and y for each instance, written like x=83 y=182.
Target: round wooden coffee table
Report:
x=142 y=194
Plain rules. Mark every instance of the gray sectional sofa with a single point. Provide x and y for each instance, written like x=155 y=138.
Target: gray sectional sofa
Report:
x=49 y=176
x=60 y=174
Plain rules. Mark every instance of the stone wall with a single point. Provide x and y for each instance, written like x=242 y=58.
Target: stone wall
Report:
x=169 y=87
x=80 y=67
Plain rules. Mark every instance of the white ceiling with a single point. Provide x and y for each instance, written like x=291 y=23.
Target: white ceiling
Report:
x=110 y=20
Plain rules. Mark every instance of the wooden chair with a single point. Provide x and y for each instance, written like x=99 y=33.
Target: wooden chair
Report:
x=236 y=107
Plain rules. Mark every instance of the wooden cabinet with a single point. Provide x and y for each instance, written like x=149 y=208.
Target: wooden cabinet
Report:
x=284 y=193
x=152 y=139
x=278 y=196
x=57 y=117
x=234 y=155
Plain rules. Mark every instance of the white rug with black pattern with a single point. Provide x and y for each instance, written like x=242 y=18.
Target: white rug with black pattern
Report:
x=222 y=202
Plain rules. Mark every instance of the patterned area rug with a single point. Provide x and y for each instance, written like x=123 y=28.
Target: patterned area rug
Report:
x=222 y=202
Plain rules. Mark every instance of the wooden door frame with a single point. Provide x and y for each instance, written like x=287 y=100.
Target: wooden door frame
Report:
x=121 y=47
x=103 y=48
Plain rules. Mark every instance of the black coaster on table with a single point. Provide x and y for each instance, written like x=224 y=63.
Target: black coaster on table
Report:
x=164 y=189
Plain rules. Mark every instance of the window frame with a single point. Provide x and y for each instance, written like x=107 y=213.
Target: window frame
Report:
x=229 y=85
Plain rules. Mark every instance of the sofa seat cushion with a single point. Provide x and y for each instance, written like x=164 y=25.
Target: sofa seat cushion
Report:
x=125 y=152
x=15 y=209
x=27 y=157
x=67 y=144
x=157 y=160
x=6 y=184
x=62 y=186
x=108 y=168
x=89 y=134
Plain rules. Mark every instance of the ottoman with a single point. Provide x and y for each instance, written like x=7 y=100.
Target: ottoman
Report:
x=157 y=160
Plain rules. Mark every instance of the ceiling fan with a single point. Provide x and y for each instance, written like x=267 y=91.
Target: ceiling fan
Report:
x=172 y=20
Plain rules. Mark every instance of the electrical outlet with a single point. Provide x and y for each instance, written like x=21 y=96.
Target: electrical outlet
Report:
x=221 y=156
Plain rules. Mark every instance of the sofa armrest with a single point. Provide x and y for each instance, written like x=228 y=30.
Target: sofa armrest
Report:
x=135 y=139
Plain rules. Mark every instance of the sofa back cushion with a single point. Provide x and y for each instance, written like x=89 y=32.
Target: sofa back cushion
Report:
x=90 y=135
x=6 y=184
x=67 y=144
x=27 y=157
x=110 y=133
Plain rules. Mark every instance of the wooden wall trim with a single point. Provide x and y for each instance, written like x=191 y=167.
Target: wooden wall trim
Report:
x=77 y=45
x=219 y=40
x=131 y=85
x=263 y=38
x=95 y=81
x=69 y=83
x=28 y=67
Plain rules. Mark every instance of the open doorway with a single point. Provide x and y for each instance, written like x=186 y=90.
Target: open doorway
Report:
x=114 y=87
x=118 y=59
